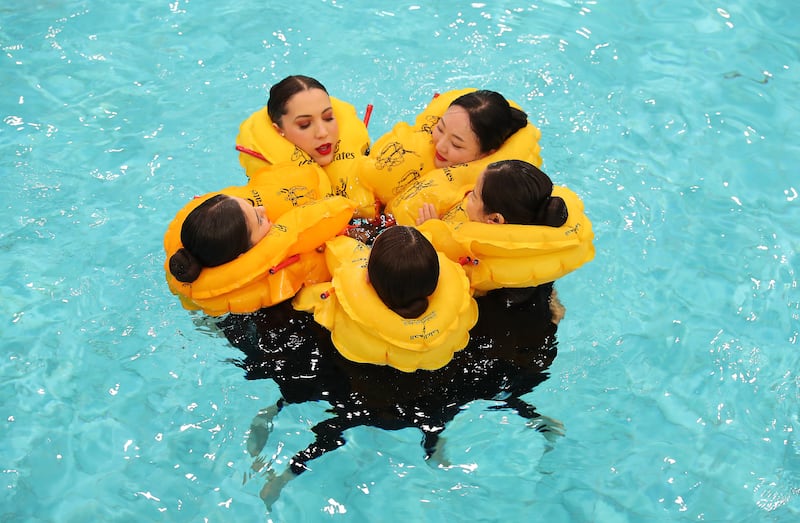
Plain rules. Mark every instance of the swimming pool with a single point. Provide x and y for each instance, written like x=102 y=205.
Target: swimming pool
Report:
x=677 y=370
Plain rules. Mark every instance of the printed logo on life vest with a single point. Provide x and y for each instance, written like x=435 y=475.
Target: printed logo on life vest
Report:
x=340 y=189
x=422 y=321
x=256 y=200
x=296 y=193
x=430 y=124
x=392 y=155
x=448 y=171
x=407 y=178
x=448 y=216
x=573 y=230
x=299 y=156
x=415 y=188
x=342 y=155
x=360 y=255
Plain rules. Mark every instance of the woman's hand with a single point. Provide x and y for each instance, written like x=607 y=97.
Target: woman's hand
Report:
x=427 y=212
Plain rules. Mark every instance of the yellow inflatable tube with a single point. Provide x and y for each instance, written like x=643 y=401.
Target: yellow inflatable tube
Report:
x=401 y=161
x=270 y=272
x=364 y=330
x=496 y=256
x=279 y=188
x=261 y=145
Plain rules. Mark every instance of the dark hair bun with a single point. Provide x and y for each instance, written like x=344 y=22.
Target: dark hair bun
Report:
x=554 y=212
x=413 y=309
x=519 y=119
x=184 y=266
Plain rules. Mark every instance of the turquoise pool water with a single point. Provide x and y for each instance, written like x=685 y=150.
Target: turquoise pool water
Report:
x=677 y=371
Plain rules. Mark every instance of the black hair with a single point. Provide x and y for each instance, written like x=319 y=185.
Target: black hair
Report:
x=282 y=92
x=491 y=117
x=403 y=269
x=213 y=233
x=522 y=194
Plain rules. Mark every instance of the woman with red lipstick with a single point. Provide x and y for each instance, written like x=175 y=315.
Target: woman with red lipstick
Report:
x=301 y=111
x=458 y=134
x=303 y=125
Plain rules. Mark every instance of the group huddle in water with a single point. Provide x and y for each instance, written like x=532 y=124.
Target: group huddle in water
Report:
x=397 y=280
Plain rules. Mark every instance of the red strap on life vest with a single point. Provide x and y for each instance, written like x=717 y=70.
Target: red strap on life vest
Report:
x=285 y=263
x=367 y=115
x=255 y=154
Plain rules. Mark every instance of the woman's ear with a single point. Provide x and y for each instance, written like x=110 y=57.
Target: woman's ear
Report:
x=278 y=128
x=495 y=218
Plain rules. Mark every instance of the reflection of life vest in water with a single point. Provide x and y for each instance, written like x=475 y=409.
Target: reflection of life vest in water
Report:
x=364 y=330
x=261 y=145
x=401 y=165
x=274 y=269
x=502 y=255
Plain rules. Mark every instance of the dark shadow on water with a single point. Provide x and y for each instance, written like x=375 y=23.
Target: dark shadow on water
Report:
x=510 y=350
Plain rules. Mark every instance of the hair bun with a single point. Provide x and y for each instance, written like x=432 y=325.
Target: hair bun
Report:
x=184 y=266
x=413 y=309
x=554 y=211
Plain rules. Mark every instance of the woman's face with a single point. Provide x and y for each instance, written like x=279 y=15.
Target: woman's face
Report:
x=474 y=206
x=256 y=219
x=310 y=125
x=454 y=139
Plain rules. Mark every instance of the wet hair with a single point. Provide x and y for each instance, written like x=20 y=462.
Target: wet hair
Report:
x=522 y=194
x=491 y=117
x=213 y=233
x=282 y=92
x=403 y=269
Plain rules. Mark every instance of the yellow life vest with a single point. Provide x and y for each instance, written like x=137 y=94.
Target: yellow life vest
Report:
x=401 y=165
x=273 y=270
x=496 y=256
x=364 y=330
x=261 y=145
x=281 y=187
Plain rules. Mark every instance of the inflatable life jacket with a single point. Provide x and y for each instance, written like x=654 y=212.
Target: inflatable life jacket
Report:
x=282 y=187
x=273 y=270
x=496 y=256
x=261 y=145
x=401 y=162
x=364 y=330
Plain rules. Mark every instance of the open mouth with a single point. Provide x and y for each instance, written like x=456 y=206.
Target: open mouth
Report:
x=325 y=149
